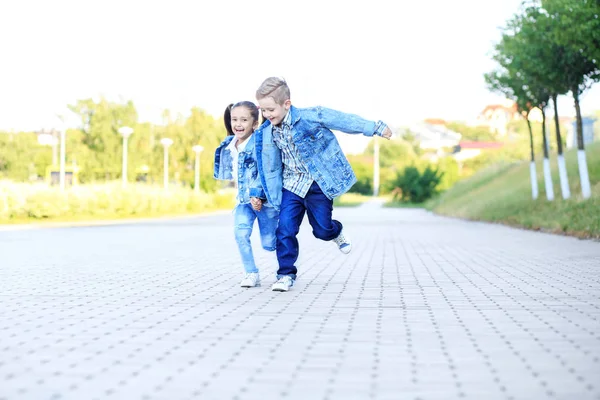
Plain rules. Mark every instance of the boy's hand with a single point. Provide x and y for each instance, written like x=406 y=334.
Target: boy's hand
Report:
x=256 y=203
x=387 y=133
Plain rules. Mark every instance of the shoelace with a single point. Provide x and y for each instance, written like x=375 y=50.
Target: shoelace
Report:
x=340 y=239
x=286 y=280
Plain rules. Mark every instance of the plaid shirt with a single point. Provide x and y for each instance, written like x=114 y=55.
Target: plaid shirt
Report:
x=296 y=177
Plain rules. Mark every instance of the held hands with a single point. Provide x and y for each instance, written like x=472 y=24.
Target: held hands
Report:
x=256 y=203
x=387 y=133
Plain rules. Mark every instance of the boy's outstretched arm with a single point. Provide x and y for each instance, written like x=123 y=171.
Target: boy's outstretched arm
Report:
x=351 y=123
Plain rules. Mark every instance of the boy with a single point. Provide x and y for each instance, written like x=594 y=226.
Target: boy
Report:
x=315 y=170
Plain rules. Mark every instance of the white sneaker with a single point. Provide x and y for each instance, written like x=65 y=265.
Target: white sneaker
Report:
x=343 y=242
x=283 y=284
x=250 y=280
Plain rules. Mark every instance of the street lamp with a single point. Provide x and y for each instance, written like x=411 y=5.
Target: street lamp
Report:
x=166 y=142
x=376 y=168
x=125 y=131
x=49 y=138
x=63 y=150
x=197 y=149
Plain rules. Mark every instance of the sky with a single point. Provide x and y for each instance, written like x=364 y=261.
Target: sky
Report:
x=398 y=61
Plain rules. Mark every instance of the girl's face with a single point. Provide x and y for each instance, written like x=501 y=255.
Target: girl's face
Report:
x=242 y=123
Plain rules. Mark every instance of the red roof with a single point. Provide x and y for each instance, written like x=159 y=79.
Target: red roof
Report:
x=492 y=107
x=480 y=145
x=435 y=121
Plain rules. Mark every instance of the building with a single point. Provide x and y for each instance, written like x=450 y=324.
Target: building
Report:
x=497 y=117
x=588 y=131
x=433 y=135
x=468 y=149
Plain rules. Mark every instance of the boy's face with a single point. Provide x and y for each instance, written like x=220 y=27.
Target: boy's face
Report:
x=272 y=111
x=242 y=123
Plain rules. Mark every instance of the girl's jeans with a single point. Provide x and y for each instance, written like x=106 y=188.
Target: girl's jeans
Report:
x=244 y=217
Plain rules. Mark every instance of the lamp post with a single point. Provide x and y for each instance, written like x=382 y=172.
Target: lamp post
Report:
x=166 y=142
x=125 y=131
x=50 y=138
x=197 y=149
x=63 y=148
x=376 y=168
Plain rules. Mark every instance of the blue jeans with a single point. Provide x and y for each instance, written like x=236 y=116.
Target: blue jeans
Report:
x=244 y=217
x=318 y=208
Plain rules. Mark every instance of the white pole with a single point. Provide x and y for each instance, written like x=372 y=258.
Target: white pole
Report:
x=584 y=178
x=548 y=180
x=376 y=168
x=534 y=184
x=124 y=172
x=564 y=179
x=166 y=168
x=166 y=142
x=62 y=159
x=197 y=173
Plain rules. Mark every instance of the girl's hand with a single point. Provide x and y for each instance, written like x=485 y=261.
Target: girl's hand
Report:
x=256 y=203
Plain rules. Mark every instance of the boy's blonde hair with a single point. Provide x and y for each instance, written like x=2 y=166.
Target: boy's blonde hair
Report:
x=274 y=87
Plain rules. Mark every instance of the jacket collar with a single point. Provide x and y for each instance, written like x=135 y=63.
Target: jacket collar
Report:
x=295 y=114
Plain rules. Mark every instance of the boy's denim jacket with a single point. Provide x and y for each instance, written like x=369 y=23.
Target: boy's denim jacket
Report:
x=318 y=149
x=248 y=181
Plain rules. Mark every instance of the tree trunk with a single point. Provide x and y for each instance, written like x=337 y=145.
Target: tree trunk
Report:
x=530 y=138
x=559 y=145
x=584 y=177
x=547 y=173
x=532 y=171
x=580 y=144
x=562 y=168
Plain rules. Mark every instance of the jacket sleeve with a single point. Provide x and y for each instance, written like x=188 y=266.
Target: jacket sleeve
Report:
x=255 y=185
x=222 y=171
x=256 y=189
x=347 y=123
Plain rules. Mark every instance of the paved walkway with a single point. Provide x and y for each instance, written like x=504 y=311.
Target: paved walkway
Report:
x=424 y=307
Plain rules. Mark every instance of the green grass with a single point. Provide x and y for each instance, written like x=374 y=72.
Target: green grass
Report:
x=503 y=194
x=391 y=203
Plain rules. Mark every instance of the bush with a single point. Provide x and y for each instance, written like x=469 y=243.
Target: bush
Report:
x=415 y=186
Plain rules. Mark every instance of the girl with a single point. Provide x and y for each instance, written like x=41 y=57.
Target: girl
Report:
x=235 y=160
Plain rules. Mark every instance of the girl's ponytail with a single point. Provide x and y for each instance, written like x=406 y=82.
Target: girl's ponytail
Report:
x=227 y=120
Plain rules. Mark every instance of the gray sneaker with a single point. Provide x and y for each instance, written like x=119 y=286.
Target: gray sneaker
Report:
x=283 y=284
x=250 y=280
x=343 y=243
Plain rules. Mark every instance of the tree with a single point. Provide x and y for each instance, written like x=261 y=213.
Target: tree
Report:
x=577 y=25
x=100 y=138
x=546 y=67
x=575 y=28
x=509 y=82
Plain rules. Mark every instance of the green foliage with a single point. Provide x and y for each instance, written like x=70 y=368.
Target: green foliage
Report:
x=577 y=25
x=21 y=157
x=548 y=49
x=416 y=186
x=450 y=173
x=472 y=133
x=96 y=147
x=23 y=202
x=363 y=169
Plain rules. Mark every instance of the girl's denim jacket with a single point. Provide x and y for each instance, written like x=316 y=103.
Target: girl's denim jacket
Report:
x=249 y=184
